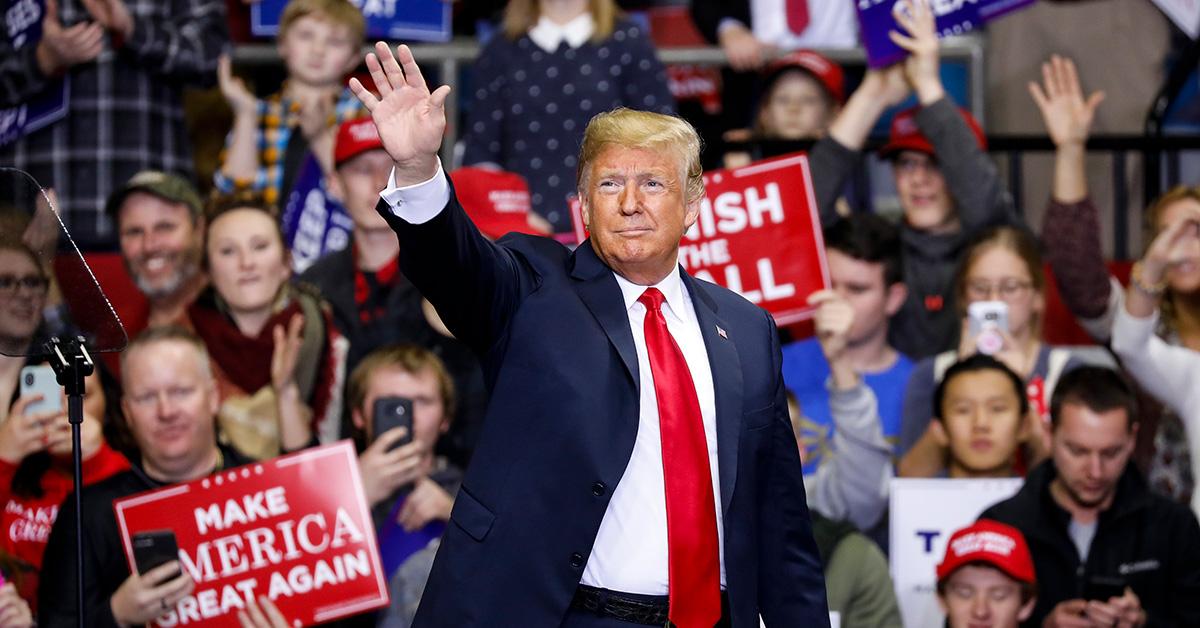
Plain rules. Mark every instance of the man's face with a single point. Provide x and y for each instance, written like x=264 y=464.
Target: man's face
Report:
x=171 y=403
x=981 y=415
x=980 y=596
x=1090 y=451
x=923 y=195
x=160 y=243
x=862 y=284
x=797 y=108
x=636 y=211
x=317 y=51
x=362 y=178
x=429 y=416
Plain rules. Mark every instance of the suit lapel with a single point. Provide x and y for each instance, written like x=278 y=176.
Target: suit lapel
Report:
x=598 y=290
x=727 y=385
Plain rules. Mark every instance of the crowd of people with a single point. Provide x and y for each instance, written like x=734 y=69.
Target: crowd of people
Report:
x=266 y=321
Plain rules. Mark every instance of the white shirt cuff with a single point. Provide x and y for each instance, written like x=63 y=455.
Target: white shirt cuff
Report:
x=418 y=203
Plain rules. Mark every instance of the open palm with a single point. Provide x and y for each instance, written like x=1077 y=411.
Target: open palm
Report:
x=1066 y=113
x=410 y=119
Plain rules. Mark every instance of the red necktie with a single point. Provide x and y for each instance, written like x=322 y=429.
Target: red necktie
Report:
x=694 y=576
x=797 y=15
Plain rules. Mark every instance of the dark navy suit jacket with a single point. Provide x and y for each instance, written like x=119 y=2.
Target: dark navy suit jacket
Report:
x=559 y=358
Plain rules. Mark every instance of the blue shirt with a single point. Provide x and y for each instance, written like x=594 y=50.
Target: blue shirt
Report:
x=805 y=372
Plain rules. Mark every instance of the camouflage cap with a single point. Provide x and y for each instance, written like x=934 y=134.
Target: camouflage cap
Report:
x=165 y=185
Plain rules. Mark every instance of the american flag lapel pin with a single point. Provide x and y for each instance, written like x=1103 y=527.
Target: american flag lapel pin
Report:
x=721 y=333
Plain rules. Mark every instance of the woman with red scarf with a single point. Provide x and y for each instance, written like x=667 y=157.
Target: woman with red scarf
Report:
x=35 y=446
x=277 y=358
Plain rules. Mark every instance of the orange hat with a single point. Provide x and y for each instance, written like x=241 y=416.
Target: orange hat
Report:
x=827 y=73
x=999 y=545
x=496 y=201
x=906 y=135
x=355 y=137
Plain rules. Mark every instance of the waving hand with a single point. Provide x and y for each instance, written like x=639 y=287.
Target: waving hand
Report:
x=410 y=119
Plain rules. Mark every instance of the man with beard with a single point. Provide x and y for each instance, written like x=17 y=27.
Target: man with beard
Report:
x=160 y=224
x=1107 y=551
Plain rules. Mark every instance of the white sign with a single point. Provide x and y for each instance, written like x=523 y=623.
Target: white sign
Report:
x=1185 y=14
x=924 y=513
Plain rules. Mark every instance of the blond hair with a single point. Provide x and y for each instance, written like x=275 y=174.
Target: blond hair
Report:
x=522 y=15
x=630 y=128
x=1154 y=213
x=408 y=358
x=340 y=12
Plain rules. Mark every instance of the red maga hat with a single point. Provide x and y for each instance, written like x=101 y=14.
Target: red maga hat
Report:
x=827 y=73
x=906 y=135
x=355 y=137
x=986 y=541
x=497 y=201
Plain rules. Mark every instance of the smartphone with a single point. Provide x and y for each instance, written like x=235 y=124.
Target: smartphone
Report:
x=41 y=380
x=986 y=322
x=153 y=548
x=390 y=413
x=1102 y=588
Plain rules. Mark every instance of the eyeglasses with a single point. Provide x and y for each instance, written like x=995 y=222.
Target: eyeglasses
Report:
x=910 y=165
x=33 y=284
x=1006 y=289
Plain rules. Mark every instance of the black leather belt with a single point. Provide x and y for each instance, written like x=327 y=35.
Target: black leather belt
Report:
x=647 y=610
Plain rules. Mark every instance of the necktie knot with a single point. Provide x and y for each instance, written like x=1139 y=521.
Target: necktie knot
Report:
x=653 y=299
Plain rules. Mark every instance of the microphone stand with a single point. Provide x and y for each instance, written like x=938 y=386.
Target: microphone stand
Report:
x=72 y=364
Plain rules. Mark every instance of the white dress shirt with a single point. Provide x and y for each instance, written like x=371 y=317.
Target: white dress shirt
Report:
x=831 y=24
x=548 y=34
x=630 y=551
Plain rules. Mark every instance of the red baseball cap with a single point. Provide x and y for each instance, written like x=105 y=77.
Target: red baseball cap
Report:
x=496 y=201
x=986 y=541
x=906 y=135
x=827 y=73
x=355 y=137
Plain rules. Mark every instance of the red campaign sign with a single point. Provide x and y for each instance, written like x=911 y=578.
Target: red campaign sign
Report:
x=758 y=234
x=295 y=528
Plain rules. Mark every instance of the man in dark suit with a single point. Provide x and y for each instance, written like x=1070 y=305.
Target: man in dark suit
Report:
x=636 y=461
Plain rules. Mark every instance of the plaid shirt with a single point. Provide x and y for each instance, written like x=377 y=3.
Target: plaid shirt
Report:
x=125 y=113
x=278 y=117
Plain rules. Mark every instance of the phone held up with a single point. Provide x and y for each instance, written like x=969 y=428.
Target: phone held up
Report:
x=391 y=412
x=153 y=548
x=987 y=322
x=41 y=380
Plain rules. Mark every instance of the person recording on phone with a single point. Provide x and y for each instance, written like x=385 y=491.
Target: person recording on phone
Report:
x=1107 y=551
x=1000 y=291
x=169 y=406
x=35 y=438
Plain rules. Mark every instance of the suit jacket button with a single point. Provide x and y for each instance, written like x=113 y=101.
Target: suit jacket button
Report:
x=576 y=560
x=598 y=489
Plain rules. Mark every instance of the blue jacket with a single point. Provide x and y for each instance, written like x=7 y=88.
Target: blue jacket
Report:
x=558 y=354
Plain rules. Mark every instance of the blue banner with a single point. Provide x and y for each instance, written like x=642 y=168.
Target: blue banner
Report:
x=875 y=19
x=409 y=20
x=23 y=28
x=313 y=222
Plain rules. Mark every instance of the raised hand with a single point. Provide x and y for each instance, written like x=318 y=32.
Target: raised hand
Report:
x=144 y=597
x=240 y=99
x=410 y=119
x=286 y=352
x=61 y=48
x=916 y=18
x=1067 y=114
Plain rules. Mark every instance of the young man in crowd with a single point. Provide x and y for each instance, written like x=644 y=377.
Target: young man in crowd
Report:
x=274 y=140
x=160 y=227
x=987 y=577
x=170 y=405
x=1107 y=551
x=982 y=418
x=409 y=488
x=373 y=304
x=948 y=186
x=848 y=381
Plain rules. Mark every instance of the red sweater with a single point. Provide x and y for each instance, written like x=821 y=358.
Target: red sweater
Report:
x=25 y=522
